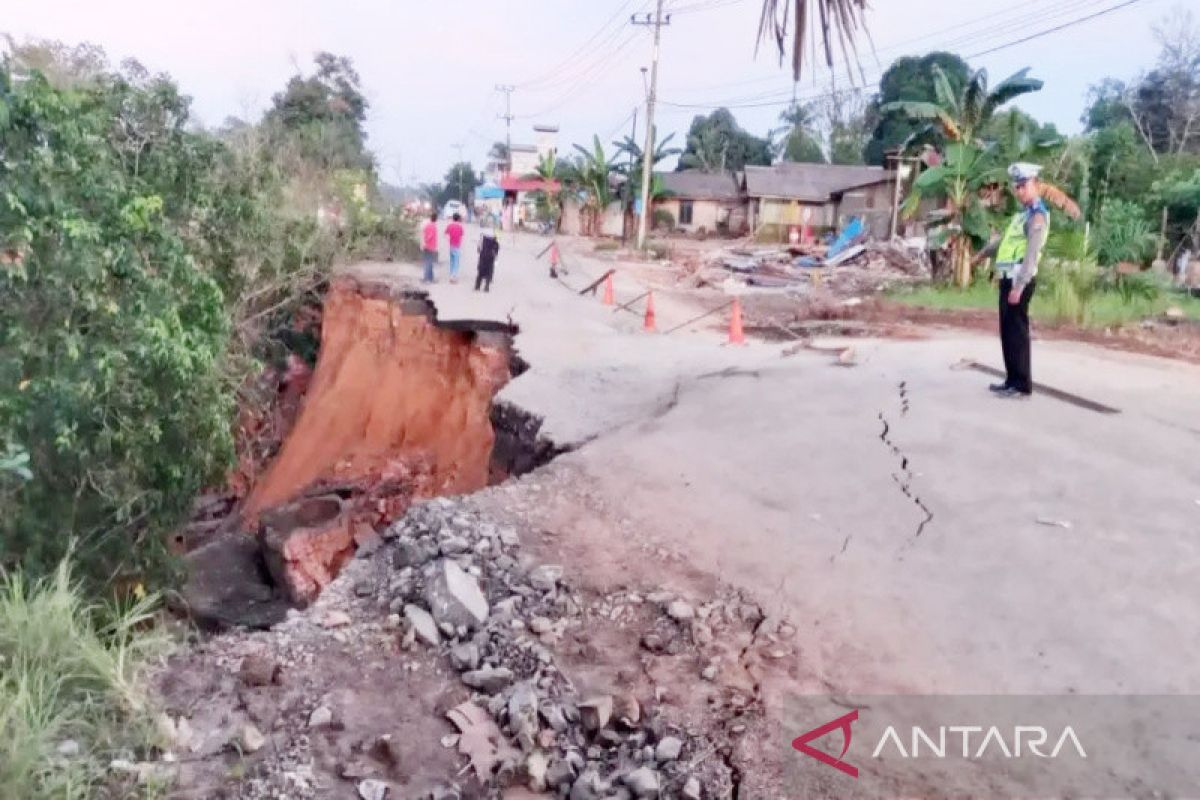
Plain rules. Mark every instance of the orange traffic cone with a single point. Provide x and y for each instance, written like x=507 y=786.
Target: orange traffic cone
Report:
x=736 y=334
x=608 y=291
x=648 y=324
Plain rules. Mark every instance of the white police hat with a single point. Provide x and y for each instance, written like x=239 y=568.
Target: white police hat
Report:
x=1022 y=171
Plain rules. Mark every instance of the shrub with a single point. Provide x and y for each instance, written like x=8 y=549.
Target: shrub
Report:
x=663 y=220
x=67 y=674
x=1123 y=234
x=1070 y=286
x=112 y=340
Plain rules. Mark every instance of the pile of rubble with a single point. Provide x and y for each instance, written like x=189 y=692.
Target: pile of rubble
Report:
x=442 y=595
x=867 y=267
x=537 y=729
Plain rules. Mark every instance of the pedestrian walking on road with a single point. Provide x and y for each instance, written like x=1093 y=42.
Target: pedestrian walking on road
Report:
x=489 y=248
x=429 y=251
x=1017 y=254
x=454 y=235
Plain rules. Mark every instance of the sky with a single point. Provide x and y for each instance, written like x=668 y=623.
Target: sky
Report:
x=429 y=70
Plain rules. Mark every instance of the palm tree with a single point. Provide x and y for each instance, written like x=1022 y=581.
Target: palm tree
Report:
x=800 y=139
x=797 y=20
x=594 y=171
x=707 y=151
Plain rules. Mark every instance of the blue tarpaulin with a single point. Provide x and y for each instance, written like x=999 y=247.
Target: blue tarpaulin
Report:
x=489 y=192
x=847 y=236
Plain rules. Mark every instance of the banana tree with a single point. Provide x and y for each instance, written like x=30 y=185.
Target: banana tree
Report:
x=549 y=201
x=969 y=167
x=632 y=169
x=958 y=181
x=963 y=114
x=595 y=171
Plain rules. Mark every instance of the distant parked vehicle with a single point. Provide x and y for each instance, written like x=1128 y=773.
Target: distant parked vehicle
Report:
x=453 y=207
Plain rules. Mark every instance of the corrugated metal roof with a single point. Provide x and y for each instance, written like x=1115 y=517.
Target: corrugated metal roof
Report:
x=697 y=185
x=512 y=184
x=811 y=183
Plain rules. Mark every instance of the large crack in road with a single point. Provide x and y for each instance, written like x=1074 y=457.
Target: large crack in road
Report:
x=904 y=476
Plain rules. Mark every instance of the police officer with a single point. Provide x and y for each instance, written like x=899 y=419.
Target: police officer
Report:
x=1017 y=254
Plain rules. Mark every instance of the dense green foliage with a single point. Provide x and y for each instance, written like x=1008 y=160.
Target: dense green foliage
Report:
x=459 y=183
x=909 y=79
x=799 y=141
x=969 y=165
x=717 y=143
x=113 y=336
x=144 y=264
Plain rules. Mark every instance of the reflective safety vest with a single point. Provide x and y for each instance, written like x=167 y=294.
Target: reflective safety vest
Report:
x=1014 y=243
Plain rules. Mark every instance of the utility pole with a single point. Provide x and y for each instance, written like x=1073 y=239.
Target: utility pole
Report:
x=628 y=193
x=647 y=155
x=507 y=116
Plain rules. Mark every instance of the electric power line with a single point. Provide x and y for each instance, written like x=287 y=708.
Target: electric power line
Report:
x=555 y=72
x=572 y=92
x=766 y=103
x=1021 y=20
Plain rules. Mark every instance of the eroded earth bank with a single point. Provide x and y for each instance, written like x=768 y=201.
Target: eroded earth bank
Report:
x=390 y=623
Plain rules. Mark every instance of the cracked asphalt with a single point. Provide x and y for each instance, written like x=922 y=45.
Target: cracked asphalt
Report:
x=915 y=565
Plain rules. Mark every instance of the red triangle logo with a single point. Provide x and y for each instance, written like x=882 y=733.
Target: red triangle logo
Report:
x=843 y=722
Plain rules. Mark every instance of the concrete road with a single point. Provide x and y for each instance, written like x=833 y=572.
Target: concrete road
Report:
x=924 y=536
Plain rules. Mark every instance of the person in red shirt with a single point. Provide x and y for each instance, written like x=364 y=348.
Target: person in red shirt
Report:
x=429 y=246
x=454 y=235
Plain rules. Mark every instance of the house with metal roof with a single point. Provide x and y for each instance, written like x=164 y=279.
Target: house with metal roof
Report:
x=819 y=195
x=709 y=202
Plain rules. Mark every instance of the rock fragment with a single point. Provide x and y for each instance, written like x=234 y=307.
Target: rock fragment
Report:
x=422 y=624
x=259 y=670
x=372 y=789
x=643 y=782
x=545 y=577
x=320 y=717
x=595 y=712
x=488 y=679
x=668 y=749
x=454 y=597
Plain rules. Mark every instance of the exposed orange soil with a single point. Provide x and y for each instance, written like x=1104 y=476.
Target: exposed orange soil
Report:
x=389 y=389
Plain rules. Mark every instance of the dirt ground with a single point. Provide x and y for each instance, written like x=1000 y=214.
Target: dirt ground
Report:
x=869 y=314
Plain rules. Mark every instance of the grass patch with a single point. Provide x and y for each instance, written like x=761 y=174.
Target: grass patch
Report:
x=1100 y=309
x=606 y=245
x=72 y=691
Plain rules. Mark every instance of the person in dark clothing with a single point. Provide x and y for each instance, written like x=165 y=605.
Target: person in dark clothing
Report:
x=489 y=248
x=1017 y=254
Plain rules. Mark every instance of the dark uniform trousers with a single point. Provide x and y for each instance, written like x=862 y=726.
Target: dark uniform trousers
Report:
x=1014 y=336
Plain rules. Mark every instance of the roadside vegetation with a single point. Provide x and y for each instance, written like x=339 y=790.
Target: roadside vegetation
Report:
x=1124 y=195
x=1054 y=304
x=73 y=695
x=146 y=266
x=148 y=271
